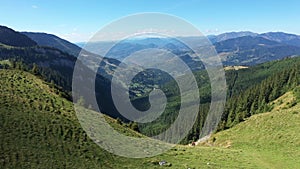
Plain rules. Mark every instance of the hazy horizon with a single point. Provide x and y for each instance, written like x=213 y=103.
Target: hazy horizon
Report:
x=78 y=21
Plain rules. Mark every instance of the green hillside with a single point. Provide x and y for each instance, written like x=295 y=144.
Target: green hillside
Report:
x=239 y=80
x=249 y=92
x=268 y=140
x=272 y=139
x=39 y=129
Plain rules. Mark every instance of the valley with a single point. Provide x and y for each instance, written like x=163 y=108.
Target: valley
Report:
x=258 y=129
x=46 y=131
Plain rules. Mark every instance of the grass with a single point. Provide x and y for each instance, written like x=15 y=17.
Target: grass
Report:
x=39 y=129
x=272 y=138
x=268 y=140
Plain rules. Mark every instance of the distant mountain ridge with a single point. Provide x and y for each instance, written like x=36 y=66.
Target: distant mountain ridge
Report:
x=289 y=39
x=235 y=48
x=249 y=50
x=44 y=39
x=12 y=38
x=281 y=37
x=49 y=40
x=230 y=35
x=243 y=43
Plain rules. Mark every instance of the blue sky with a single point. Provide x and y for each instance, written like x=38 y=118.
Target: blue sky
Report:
x=78 y=20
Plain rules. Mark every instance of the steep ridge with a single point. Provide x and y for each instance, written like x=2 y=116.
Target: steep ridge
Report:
x=49 y=40
x=39 y=128
x=13 y=38
x=44 y=39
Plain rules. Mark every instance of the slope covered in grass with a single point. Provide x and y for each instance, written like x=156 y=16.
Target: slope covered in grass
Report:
x=39 y=129
x=272 y=138
x=267 y=140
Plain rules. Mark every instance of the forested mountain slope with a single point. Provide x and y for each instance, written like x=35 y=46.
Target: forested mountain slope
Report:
x=44 y=39
x=13 y=38
x=39 y=129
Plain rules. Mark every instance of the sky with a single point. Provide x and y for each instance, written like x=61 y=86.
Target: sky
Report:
x=77 y=21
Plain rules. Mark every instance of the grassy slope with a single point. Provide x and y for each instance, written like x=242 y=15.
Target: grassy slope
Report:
x=269 y=140
x=272 y=139
x=39 y=130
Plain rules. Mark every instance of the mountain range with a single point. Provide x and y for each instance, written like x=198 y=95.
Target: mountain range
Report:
x=56 y=65
x=56 y=57
x=234 y=48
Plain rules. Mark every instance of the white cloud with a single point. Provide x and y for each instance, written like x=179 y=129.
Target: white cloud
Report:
x=34 y=6
x=211 y=31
